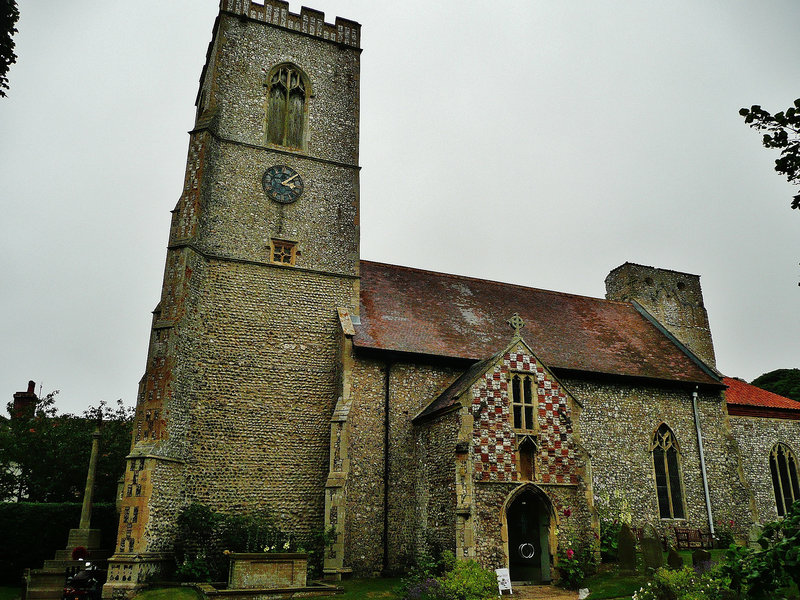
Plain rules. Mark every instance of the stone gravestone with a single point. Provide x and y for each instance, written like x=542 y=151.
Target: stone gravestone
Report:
x=648 y=531
x=652 y=553
x=752 y=537
x=626 y=548
x=701 y=558
x=674 y=560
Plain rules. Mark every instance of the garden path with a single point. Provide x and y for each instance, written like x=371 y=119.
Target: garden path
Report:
x=542 y=592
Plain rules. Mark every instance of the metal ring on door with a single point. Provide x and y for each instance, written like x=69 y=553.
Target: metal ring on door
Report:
x=526 y=550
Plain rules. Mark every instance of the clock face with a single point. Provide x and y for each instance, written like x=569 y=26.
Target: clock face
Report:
x=282 y=184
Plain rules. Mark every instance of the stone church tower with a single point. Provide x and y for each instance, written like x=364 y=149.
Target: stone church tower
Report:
x=675 y=299
x=241 y=380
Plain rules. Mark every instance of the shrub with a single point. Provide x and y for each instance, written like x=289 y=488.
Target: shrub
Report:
x=723 y=534
x=427 y=589
x=685 y=584
x=612 y=510
x=758 y=574
x=204 y=535
x=469 y=581
x=448 y=579
x=574 y=566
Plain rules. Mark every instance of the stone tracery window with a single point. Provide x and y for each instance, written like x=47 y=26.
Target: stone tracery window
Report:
x=286 y=107
x=783 y=467
x=666 y=463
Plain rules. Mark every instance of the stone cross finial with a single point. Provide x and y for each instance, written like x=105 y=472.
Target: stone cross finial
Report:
x=516 y=323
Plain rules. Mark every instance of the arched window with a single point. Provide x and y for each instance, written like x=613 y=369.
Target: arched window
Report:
x=783 y=467
x=668 y=477
x=526 y=458
x=286 y=107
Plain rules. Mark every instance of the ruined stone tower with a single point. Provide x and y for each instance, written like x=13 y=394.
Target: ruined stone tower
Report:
x=675 y=299
x=234 y=407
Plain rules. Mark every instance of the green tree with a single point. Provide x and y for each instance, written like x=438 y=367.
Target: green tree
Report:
x=785 y=382
x=44 y=457
x=9 y=15
x=781 y=131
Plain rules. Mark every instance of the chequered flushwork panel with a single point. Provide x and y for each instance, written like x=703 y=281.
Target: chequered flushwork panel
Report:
x=494 y=437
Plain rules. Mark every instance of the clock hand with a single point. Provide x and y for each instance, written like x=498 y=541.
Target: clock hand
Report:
x=285 y=181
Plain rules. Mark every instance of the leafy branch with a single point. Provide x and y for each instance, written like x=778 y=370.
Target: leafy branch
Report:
x=781 y=131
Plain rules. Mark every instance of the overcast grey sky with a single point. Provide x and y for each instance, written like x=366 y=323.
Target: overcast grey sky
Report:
x=541 y=143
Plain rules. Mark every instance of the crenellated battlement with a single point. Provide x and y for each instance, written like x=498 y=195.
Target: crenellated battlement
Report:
x=309 y=21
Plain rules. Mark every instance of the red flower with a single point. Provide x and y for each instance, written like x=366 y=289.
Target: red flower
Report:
x=570 y=553
x=730 y=522
x=567 y=512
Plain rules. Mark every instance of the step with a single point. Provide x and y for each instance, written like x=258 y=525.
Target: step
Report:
x=44 y=594
x=93 y=554
x=40 y=578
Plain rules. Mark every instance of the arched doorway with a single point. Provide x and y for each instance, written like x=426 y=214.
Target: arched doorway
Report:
x=528 y=522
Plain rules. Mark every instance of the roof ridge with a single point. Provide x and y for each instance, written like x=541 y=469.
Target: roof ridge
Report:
x=495 y=282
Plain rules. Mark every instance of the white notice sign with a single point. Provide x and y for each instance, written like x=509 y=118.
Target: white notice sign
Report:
x=503 y=580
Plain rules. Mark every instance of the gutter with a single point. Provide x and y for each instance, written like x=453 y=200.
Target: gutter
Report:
x=702 y=462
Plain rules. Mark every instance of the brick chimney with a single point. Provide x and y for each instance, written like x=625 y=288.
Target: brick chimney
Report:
x=25 y=403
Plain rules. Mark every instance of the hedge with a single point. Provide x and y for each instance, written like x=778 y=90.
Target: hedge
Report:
x=31 y=533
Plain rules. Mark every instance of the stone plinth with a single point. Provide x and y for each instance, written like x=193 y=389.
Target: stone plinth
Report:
x=265 y=570
x=88 y=538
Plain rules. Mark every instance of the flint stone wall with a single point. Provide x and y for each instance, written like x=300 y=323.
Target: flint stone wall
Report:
x=756 y=438
x=617 y=425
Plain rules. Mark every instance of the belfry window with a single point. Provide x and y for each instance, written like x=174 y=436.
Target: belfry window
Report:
x=523 y=404
x=286 y=107
x=783 y=467
x=284 y=252
x=666 y=463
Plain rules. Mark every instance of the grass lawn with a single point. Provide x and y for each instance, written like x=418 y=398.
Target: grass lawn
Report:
x=612 y=584
x=368 y=588
x=10 y=593
x=355 y=589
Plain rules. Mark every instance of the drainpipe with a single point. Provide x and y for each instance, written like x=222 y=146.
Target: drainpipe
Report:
x=388 y=374
x=702 y=461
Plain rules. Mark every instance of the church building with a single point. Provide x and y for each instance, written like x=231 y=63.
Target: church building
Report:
x=409 y=410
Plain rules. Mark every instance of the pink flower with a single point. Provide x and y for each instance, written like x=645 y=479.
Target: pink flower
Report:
x=567 y=512
x=570 y=553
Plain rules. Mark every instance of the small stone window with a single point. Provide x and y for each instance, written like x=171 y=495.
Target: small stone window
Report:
x=284 y=252
x=523 y=402
x=287 y=100
x=666 y=462
x=783 y=467
x=526 y=458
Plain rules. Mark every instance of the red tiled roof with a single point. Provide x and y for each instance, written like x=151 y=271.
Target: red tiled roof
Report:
x=423 y=312
x=741 y=393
